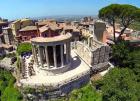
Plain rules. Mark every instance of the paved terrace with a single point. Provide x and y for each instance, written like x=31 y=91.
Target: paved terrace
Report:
x=78 y=69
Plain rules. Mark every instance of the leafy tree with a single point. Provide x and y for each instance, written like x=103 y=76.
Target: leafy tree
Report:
x=123 y=83
x=123 y=13
x=135 y=25
x=11 y=94
x=125 y=55
x=120 y=85
x=135 y=54
x=121 y=55
x=24 y=47
x=86 y=93
x=136 y=60
x=29 y=90
x=7 y=90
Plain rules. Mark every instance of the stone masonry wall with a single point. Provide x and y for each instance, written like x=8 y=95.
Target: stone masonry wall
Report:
x=93 y=56
x=100 y=55
x=84 y=52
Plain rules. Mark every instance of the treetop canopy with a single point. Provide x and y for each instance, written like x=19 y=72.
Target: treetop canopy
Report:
x=114 y=11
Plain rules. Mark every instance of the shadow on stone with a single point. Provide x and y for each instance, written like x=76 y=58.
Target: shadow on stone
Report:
x=75 y=62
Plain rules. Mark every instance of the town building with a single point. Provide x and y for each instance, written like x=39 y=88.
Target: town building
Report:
x=3 y=23
x=5 y=49
x=6 y=38
x=129 y=34
x=26 y=33
x=100 y=32
x=46 y=28
x=50 y=30
x=94 y=28
x=42 y=23
x=8 y=35
x=18 y=24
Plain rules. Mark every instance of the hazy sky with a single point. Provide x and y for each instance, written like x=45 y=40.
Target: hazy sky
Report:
x=12 y=9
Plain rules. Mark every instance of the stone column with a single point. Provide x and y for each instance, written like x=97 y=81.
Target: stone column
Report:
x=35 y=54
x=47 y=58
x=89 y=42
x=43 y=55
x=75 y=44
x=62 y=56
x=40 y=55
x=68 y=52
x=54 y=56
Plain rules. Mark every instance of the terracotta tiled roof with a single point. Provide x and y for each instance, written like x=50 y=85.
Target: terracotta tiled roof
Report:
x=58 y=27
x=28 y=28
x=71 y=28
x=76 y=30
x=43 y=29
x=46 y=22
x=68 y=27
x=52 y=27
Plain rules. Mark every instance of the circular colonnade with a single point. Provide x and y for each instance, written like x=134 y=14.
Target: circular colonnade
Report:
x=52 y=54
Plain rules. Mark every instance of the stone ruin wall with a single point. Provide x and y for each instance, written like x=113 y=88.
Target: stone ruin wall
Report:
x=93 y=56
x=84 y=52
x=75 y=84
x=100 y=55
x=67 y=87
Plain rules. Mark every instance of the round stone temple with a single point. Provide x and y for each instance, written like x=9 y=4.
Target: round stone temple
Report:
x=53 y=53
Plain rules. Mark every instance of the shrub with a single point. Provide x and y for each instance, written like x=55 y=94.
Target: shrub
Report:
x=23 y=48
x=86 y=93
x=7 y=90
x=119 y=84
